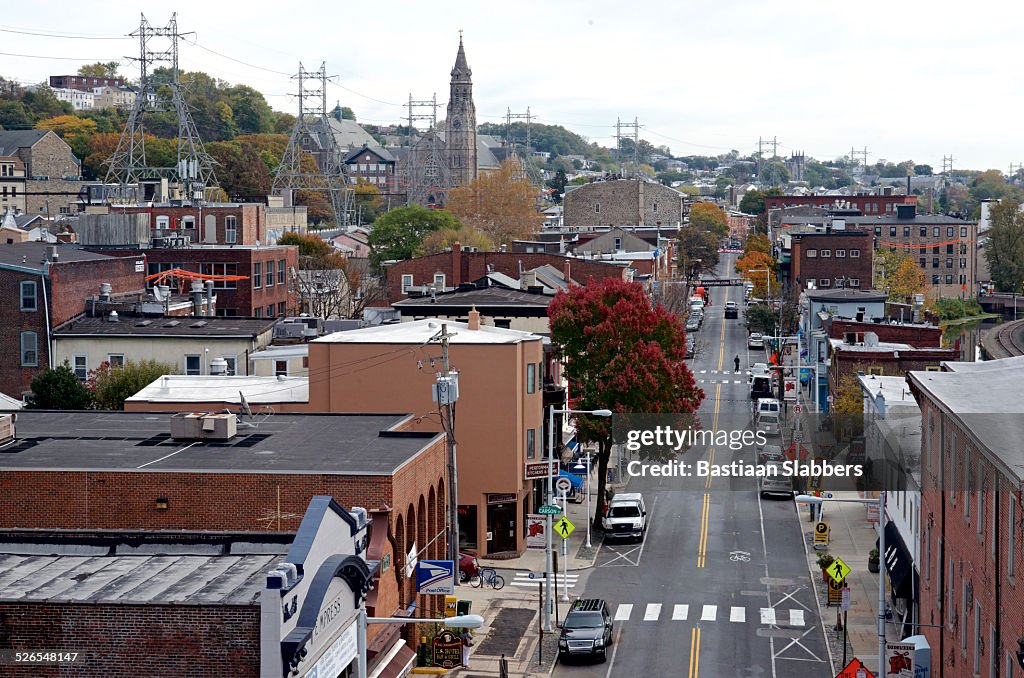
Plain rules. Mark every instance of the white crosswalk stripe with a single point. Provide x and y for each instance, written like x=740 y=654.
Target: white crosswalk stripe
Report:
x=710 y=613
x=679 y=612
x=796 y=617
x=768 y=615
x=623 y=611
x=738 y=614
x=523 y=579
x=653 y=612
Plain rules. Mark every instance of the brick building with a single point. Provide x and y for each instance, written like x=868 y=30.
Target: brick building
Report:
x=267 y=292
x=622 y=202
x=450 y=269
x=12 y=184
x=211 y=224
x=865 y=204
x=917 y=335
x=972 y=545
x=46 y=286
x=831 y=259
x=883 y=358
x=86 y=83
x=43 y=152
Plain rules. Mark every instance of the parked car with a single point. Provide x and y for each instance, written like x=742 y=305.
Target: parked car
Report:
x=626 y=517
x=692 y=324
x=760 y=387
x=755 y=340
x=778 y=482
x=587 y=630
x=469 y=566
x=732 y=310
x=769 y=453
x=691 y=347
x=769 y=423
x=767 y=406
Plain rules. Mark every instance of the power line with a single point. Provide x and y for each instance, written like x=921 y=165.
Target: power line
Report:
x=71 y=36
x=237 y=61
x=55 y=58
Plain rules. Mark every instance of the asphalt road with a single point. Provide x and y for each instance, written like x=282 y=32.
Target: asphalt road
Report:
x=720 y=585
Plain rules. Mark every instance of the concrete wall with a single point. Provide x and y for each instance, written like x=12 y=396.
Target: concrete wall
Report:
x=172 y=350
x=54 y=197
x=622 y=202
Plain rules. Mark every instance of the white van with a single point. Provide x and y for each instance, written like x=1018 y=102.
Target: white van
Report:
x=776 y=484
x=769 y=423
x=626 y=517
x=767 y=406
x=697 y=302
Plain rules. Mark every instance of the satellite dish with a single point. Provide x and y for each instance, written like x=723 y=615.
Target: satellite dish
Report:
x=245 y=405
x=161 y=292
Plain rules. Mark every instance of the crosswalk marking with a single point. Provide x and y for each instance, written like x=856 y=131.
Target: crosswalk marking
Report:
x=679 y=612
x=523 y=579
x=738 y=614
x=768 y=616
x=623 y=611
x=796 y=617
x=710 y=613
x=653 y=612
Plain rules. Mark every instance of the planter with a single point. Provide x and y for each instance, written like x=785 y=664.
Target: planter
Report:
x=825 y=576
x=873 y=566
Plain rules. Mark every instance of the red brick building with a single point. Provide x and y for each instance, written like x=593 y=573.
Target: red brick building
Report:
x=44 y=287
x=831 y=259
x=866 y=204
x=451 y=269
x=916 y=335
x=212 y=224
x=972 y=545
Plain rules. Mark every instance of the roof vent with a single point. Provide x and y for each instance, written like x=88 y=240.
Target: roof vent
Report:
x=144 y=323
x=199 y=323
x=113 y=317
x=172 y=323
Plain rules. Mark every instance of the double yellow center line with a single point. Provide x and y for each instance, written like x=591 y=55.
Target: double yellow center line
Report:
x=694 y=652
x=702 y=547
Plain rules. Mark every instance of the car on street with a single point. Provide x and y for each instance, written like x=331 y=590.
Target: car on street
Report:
x=587 y=630
x=626 y=517
x=755 y=340
x=691 y=347
x=769 y=423
x=767 y=406
x=692 y=324
x=769 y=453
x=776 y=481
x=469 y=566
x=732 y=310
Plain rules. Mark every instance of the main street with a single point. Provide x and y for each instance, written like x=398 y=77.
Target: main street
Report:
x=720 y=585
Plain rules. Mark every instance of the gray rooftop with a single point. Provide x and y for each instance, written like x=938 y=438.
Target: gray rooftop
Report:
x=11 y=141
x=343 y=444
x=486 y=298
x=210 y=327
x=33 y=254
x=846 y=294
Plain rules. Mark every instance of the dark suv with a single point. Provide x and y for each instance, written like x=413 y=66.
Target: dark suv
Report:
x=586 y=631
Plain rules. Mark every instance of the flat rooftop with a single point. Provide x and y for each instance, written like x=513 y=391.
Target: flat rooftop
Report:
x=343 y=444
x=489 y=297
x=421 y=332
x=181 y=388
x=211 y=327
x=32 y=255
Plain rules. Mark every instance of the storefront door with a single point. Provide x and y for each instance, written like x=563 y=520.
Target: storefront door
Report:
x=501 y=526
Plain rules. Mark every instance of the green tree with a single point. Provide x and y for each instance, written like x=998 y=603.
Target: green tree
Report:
x=1005 y=251
x=400 y=232
x=58 y=389
x=112 y=385
x=100 y=69
x=752 y=202
x=698 y=251
x=558 y=183
x=15 y=115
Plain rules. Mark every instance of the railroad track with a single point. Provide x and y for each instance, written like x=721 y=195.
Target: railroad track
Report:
x=1006 y=340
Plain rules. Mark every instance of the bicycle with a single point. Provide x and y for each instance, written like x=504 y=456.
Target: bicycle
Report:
x=489 y=576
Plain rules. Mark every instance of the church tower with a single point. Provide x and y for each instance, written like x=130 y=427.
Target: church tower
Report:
x=460 y=123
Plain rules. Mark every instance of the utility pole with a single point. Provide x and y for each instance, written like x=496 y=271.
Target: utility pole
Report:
x=446 y=392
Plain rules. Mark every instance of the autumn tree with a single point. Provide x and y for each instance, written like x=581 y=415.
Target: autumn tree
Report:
x=466 y=236
x=758 y=268
x=66 y=126
x=698 y=251
x=100 y=69
x=621 y=354
x=500 y=204
x=709 y=217
x=898 y=274
x=399 y=233
x=1005 y=251
x=757 y=242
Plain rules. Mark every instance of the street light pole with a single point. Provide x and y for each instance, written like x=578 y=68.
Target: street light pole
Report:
x=589 y=521
x=465 y=621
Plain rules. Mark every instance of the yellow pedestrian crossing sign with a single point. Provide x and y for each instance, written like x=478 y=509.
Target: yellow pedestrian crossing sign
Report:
x=564 y=528
x=838 y=570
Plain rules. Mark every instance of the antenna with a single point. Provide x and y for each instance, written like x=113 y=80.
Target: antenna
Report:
x=245 y=405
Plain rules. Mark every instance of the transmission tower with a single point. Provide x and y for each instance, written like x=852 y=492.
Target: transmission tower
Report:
x=528 y=168
x=947 y=163
x=427 y=179
x=325 y=171
x=774 y=143
x=635 y=136
x=193 y=170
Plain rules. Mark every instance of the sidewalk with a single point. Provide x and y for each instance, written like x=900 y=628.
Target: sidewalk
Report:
x=851 y=538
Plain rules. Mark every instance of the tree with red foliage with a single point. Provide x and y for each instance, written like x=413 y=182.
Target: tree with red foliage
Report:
x=622 y=354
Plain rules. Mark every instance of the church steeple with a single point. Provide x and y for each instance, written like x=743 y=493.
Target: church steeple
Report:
x=460 y=124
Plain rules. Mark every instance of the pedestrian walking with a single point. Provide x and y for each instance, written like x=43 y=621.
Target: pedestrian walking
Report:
x=737 y=361
x=467 y=643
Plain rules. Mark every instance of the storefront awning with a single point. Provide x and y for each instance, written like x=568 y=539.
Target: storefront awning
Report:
x=577 y=481
x=898 y=564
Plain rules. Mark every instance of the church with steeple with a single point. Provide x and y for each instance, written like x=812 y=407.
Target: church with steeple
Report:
x=460 y=123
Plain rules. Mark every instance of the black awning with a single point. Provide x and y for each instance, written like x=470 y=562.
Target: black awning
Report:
x=898 y=564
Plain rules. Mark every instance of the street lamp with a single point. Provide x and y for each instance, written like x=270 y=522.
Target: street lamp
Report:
x=549 y=566
x=880 y=502
x=465 y=621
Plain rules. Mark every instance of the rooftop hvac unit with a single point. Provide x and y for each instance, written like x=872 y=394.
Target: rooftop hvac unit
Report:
x=289 y=331
x=203 y=425
x=6 y=428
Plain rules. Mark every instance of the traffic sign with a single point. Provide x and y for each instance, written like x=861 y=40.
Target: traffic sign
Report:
x=845 y=605
x=563 y=485
x=837 y=570
x=549 y=510
x=855 y=669
x=821 y=533
x=835 y=592
x=564 y=527
x=798 y=408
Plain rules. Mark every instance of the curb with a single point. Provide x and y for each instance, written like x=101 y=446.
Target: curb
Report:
x=814 y=590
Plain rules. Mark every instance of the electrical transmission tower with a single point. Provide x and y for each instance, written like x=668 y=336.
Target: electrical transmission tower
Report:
x=325 y=171
x=128 y=165
x=427 y=178
x=635 y=136
x=947 y=163
x=774 y=143
x=528 y=168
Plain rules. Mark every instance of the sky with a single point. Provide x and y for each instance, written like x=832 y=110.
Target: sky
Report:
x=905 y=80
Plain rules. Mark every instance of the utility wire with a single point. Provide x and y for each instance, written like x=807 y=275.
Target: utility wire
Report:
x=68 y=36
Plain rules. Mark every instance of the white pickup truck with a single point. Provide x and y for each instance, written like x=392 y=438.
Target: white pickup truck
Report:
x=626 y=517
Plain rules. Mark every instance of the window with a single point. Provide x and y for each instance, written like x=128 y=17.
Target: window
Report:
x=826 y=253
x=281 y=308
x=922 y=250
x=811 y=254
x=966 y=614
x=305 y=362
x=935 y=280
x=854 y=282
x=230 y=229
x=949 y=280
x=531 y=443
x=1011 y=535
x=824 y=282
x=927 y=553
x=28 y=296
x=406 y=282
x=854 y=254
x=270 y=273
x=439 y=279
x=810 y=283
x=935 y=262
x=80 y=364
x=270 y=310
x=977 y=637
x=193 y=365
x=257 y=275
x=892 y=231
x=963 y=263
x=188 y=223
x=232 y=362
x=952 y=592
x=968 y=483
x=949 y=231
x=878 y=230
x=220 y=269
x=115 y=359
x=980 y=493
x=840 y=254
x=935 y=232
x=906 y=231
x=280 y=368
x=163 y=222
x=924 y=232
x=531 y=378
x=281 y=264
x=597 y=208
x=923 y=262
x=259 y=312
x=963 y=231
x=29 y=349
x=618 y=244
x=949 y=262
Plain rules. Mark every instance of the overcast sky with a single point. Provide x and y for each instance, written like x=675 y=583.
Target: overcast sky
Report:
x=908 y=80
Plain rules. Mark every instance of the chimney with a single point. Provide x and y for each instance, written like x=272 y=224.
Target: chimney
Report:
x=197 y=298
x=474 y=319
x=908 y=184
x=527 y=280
x=51 y=254
x=567 y=272
x=209 y=297
x=456 y=264
x=105 y=291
